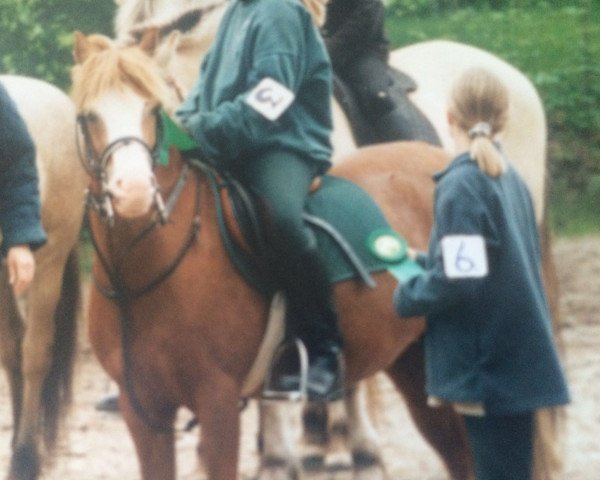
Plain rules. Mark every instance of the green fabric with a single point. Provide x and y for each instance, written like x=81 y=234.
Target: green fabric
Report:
x=173 y=136
x=357 y=218
x=260 y=39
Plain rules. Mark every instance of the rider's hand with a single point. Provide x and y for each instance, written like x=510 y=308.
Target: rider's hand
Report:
x=21 y=267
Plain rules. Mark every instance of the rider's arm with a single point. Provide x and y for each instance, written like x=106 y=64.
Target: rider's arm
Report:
x=459 y=210
x=278 y=53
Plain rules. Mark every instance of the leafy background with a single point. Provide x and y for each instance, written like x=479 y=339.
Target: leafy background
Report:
x=556 y=44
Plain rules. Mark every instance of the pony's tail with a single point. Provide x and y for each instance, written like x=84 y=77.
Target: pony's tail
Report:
x=57 y=390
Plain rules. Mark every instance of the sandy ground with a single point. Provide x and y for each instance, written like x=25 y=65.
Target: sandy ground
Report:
x=97 y=446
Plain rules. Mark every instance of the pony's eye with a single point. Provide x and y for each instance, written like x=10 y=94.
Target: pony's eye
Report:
x=153 y=109
x=91 y=117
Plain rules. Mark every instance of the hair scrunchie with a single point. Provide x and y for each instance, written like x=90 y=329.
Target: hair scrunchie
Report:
x=480 y=129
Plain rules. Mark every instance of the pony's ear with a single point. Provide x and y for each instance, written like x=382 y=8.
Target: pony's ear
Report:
x=149 y=41
x=167 y=48
x=86 y=46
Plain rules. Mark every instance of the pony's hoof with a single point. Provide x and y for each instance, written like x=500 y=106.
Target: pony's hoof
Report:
x=277 y=469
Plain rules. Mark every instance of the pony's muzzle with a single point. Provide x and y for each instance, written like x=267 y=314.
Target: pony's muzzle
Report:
x=131 y=182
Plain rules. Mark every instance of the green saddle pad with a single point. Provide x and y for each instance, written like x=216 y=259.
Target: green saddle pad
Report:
x=339 y=203
x=359 y=220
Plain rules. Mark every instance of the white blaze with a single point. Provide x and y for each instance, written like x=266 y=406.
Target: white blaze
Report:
x=130 y=177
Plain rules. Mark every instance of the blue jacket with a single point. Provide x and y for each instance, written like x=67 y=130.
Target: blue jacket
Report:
x=19 y=191
x=489 y=335
x=260 y=39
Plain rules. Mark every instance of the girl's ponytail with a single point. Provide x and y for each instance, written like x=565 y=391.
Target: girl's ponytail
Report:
x=479 y=103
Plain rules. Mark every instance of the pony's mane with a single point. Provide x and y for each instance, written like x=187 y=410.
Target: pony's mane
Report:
x=113 y=68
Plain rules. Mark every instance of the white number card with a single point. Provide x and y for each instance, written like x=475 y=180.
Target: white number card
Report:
x=270 y=98
x=464 y=256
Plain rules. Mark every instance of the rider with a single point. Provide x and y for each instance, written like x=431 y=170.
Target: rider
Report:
x=22 y=231
x=359 y=49
x=261 y=110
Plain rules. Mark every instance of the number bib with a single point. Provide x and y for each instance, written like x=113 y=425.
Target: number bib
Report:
x=464 y=256
x=270 y=98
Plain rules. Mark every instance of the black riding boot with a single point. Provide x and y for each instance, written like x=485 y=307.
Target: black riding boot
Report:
x=313 y=316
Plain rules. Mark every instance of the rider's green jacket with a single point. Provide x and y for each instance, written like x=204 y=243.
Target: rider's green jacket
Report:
x=20 y=214
x=261 y=86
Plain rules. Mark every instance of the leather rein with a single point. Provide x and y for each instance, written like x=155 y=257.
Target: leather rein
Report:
x=100 y=203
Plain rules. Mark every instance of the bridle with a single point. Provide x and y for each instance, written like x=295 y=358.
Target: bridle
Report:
x=96 y=165
x=99 y=200
x=100 y=203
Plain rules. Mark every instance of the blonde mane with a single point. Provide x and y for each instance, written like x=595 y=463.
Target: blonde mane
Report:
x=111 y=68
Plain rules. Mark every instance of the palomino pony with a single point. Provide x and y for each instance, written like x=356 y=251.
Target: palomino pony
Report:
x=188 y=27
x=172 y=320
x=38 y=331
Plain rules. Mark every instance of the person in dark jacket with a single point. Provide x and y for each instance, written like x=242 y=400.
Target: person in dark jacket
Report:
x=20 y=223
x=489 y=346
x=261 y=111
x=354 y=33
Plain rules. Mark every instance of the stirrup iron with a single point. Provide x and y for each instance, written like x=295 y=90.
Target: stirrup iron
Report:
x=270 y=390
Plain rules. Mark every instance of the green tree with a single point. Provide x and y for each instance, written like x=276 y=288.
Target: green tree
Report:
x=36 y=35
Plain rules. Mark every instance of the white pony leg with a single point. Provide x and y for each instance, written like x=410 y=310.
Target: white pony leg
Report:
x=338 y=458
x=364 y=439
x=280 y=433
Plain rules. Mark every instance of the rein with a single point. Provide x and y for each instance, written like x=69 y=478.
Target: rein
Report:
x=123 y=296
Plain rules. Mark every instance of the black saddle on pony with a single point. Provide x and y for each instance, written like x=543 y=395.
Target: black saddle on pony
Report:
x=404 y=122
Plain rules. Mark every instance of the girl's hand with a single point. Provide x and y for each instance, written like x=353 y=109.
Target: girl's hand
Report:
x=21 y=268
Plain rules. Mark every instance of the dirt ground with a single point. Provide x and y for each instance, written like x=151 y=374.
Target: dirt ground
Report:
x=97 y=446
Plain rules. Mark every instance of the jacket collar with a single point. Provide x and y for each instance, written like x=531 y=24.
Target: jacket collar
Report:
x=459 y=160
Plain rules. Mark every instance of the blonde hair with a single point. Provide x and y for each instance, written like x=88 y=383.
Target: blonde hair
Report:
x=317 y=9
x=109 y=67
x=479 y=104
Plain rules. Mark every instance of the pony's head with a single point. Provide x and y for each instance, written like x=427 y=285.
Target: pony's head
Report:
x=118 y=94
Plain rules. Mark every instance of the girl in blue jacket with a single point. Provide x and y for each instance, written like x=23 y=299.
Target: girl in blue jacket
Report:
x=489 y=347
x=20 y=223
x=261 y=110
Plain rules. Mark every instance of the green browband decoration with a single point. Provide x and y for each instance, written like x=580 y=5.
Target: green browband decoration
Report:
x=173 y=136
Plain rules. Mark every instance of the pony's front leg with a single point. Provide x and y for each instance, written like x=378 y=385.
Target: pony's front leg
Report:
x=36 y=355
x=11 y=335
x=220 y=430
x=155 y=448
x=279 y=437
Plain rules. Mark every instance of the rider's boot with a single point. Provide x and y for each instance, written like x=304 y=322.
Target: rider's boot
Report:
x=314 y=320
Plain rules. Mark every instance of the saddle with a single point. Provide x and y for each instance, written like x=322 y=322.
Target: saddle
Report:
x=405 y=122
x=345 y=220
x=351 y=230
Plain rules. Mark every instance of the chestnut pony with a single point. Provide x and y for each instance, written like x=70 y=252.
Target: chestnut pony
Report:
x=38 y=331
x=187 y=29
x=171 y=319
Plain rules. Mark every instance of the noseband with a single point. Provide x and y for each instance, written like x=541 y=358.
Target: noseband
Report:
x=96 y=166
